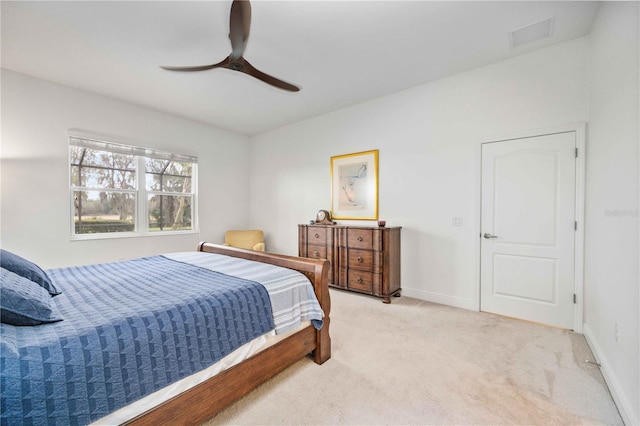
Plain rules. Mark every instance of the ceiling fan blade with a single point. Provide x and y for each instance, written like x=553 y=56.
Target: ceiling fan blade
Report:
x=244 y=66
x=239 y=24
x=222 y=63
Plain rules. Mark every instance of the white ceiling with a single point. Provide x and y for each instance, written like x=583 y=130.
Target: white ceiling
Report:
x=339 y=52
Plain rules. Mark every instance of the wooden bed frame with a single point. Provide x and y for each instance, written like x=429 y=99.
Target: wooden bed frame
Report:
x=210 y=397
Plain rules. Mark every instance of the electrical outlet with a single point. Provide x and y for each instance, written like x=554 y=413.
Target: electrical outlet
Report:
x=616 y=332
x=456 y=221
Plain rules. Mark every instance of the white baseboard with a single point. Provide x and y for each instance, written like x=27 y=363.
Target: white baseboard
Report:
x=443 y=299
x=622 y=401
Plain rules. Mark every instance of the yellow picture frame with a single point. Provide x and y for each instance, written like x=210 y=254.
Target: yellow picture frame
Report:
x=354 y=186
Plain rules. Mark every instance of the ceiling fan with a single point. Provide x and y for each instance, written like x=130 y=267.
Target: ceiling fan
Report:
x=239 y=24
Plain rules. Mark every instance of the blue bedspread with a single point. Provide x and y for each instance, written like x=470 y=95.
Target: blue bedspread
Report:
x=129 y=329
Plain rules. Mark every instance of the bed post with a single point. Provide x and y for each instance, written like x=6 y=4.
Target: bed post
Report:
x=323 y=339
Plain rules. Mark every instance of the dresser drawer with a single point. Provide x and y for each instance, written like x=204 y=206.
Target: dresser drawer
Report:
x=362 y=238
x=367 y=282
x=360 y=259
x=317 y=235
x=317 y=252
x=364 y=260
x=360 y=280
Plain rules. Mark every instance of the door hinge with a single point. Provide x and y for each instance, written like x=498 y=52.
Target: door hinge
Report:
x=575 y=225
x=576 y=152
x=575 y=298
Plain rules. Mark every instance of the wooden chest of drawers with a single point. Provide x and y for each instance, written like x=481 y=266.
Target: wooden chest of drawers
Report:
x=363 y=259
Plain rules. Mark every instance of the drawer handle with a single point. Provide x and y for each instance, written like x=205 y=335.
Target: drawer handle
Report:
x=359 y=238
x=359 y=259
x=317 y=235
x=316 y=254
x=359 y=279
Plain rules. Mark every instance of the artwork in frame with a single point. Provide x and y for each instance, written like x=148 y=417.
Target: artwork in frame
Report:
x=354 y=186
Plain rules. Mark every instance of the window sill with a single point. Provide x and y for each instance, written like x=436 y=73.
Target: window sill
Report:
x=114 y=235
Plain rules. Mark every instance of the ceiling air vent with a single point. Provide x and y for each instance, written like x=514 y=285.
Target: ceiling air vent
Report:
x=531 y=32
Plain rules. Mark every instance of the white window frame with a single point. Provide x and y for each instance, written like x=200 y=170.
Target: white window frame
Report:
x=140 y=192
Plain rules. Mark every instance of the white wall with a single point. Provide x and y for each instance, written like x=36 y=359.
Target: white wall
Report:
x=35 y=172
x=428 y=139
x=611 y=251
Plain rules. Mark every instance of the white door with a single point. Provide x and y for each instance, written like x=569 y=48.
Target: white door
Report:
x=528 y=228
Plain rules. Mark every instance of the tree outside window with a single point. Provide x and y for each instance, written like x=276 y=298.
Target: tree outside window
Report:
x=169 y=193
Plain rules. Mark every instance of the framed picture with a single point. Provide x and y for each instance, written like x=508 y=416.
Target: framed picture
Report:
x=354 y=186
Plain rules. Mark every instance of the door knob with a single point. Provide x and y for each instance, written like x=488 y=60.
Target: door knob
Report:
x=489 y=236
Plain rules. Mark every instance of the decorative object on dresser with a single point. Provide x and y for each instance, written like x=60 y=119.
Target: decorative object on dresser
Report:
x=324 y=217
x=354 y=186
x=364 y=259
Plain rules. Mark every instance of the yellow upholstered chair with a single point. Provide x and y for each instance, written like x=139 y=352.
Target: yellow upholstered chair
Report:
x=252 y=239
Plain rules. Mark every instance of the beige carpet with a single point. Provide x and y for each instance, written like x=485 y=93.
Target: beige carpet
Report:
x=414 y=363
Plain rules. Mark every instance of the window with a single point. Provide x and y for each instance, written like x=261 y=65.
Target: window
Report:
x=169 y=194
x=119 y=190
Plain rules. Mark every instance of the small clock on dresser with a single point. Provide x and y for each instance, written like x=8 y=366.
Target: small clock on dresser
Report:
x=324 y=217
